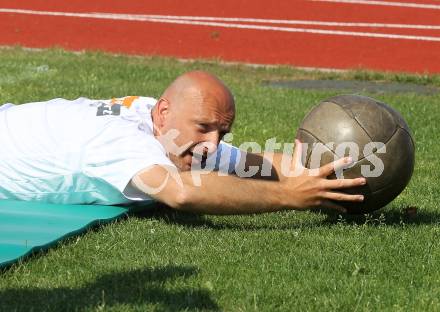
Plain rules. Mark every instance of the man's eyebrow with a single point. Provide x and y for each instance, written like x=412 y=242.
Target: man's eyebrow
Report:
x=224 y=127
x=204 y=121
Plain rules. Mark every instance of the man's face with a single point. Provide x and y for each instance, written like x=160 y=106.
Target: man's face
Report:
x=195 y=126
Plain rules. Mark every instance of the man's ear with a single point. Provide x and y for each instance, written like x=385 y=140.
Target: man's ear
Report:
x=161 y=111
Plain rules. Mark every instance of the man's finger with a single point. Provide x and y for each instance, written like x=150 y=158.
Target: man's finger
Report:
x=297 y=154
x=343 y=197
x=328 y=169
x=343 y=183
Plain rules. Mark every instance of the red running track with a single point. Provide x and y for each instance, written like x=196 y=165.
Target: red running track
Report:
x=263 y=46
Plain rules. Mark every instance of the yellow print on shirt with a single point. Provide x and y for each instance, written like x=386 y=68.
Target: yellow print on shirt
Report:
x=114 y=107
x=125 y=101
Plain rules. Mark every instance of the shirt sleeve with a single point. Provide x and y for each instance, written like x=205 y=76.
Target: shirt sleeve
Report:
x=119 y=154
x=226 y=158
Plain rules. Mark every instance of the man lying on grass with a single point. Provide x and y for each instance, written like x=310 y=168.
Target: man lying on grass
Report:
x=138 y=149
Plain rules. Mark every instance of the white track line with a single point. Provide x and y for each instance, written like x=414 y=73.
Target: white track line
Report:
x=387 y=3
x=134 y=17
x=251 y=20
x=288 y=22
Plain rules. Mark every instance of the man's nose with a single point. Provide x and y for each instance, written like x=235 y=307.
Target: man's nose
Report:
x=214 y=139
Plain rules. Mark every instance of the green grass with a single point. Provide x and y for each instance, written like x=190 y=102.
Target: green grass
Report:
x=164 y=260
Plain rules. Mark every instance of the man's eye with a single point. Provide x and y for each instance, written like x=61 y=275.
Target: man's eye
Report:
x=203 y=127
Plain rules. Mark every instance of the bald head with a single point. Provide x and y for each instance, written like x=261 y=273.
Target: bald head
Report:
x=197 y=88
x=200 y=108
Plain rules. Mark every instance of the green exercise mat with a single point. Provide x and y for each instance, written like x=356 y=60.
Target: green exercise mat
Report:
x=26 y=227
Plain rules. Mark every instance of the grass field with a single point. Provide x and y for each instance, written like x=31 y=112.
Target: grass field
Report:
x=163 y=260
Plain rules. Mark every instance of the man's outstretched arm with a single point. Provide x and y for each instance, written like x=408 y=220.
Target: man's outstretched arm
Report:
x=217 y=194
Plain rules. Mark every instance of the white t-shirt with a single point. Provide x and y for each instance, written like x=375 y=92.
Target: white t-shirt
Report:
x=83 y=151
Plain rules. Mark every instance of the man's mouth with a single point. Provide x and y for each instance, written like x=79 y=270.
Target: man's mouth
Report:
x=196 y=157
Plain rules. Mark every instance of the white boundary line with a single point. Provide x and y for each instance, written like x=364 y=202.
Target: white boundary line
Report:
x=287 y=22
x=387 y=3
x=129 y=17
x=207 y=61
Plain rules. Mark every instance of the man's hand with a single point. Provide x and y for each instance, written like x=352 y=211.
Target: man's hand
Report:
x=312 y=189
x=233 y=195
